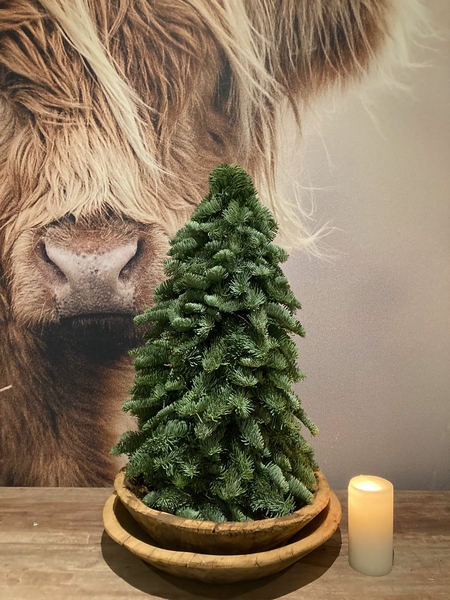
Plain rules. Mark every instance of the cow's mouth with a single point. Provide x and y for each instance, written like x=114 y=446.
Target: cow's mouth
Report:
x=100 y=337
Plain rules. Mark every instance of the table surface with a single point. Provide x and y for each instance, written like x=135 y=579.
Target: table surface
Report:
x=52 y=546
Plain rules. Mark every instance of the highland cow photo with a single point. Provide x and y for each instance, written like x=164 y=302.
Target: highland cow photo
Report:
x=113 y=113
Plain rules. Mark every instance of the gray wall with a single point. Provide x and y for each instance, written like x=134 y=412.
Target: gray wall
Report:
x=377 y=316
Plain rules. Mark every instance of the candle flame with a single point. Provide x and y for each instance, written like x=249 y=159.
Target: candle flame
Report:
x=368 y=486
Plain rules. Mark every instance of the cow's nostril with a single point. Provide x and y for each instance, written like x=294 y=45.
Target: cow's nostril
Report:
x=42 y=254
x=127 y=269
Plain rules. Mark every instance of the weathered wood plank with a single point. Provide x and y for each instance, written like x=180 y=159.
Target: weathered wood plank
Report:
x=52 y=545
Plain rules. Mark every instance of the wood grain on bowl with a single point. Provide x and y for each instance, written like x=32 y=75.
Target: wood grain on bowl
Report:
x=177 y=533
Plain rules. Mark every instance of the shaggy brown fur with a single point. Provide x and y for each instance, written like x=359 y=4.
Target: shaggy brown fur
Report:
x=112 y=113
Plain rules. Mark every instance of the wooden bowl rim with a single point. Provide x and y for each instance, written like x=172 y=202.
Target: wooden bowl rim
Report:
x=303 y=515
x=204 y=562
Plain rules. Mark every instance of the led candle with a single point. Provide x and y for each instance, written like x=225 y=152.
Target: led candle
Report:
x=370 y=525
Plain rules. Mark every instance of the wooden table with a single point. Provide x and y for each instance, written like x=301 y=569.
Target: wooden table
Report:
x=52 y=546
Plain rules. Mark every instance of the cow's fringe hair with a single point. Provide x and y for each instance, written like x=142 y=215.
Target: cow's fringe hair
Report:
x=77 y=25
x=278 y=58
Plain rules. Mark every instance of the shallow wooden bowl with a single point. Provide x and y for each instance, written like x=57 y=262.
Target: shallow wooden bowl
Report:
x=124 y=530
x=207 y=537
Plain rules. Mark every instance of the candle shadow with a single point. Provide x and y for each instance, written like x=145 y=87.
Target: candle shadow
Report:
x=151 y=581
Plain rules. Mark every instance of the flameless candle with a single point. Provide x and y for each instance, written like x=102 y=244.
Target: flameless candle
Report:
x=370 y=525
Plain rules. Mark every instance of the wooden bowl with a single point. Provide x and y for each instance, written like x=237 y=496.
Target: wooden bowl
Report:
x=124 y=530
x=208 y=537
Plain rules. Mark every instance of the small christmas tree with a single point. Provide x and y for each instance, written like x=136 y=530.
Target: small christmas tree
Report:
x=219 y=427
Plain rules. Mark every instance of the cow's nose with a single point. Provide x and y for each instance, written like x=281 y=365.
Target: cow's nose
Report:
x=91 y=282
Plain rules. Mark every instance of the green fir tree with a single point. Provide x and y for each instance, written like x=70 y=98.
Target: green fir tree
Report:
x=219 y=427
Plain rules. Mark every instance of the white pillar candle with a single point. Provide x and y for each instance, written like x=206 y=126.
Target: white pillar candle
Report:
x=370 y=525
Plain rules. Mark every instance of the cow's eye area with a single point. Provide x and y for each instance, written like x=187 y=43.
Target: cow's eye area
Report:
x=216 y=139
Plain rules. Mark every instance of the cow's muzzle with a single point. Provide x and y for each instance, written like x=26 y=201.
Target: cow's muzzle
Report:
x=90 y=279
